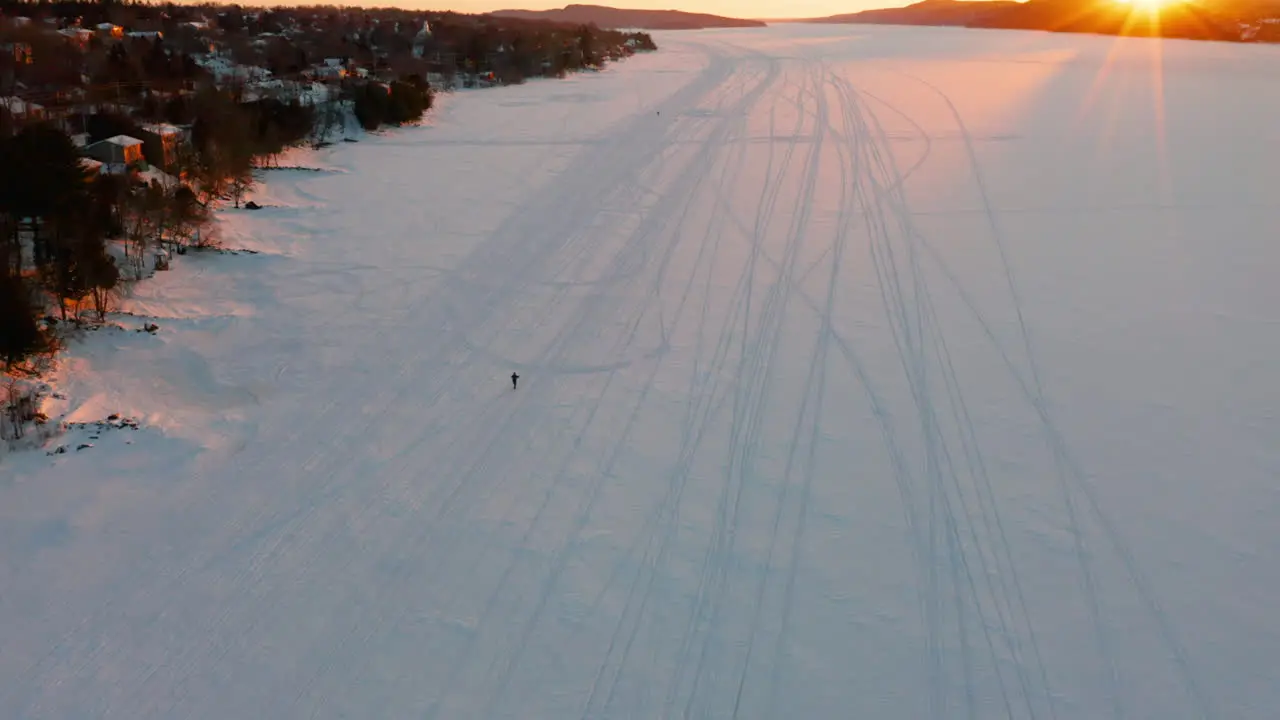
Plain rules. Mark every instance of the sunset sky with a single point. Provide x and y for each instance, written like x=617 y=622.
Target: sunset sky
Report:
x=731 y=8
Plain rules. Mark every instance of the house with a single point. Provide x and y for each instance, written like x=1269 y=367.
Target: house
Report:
x=332 y=69
x=92 y=168
x=160 y=143
x=110 y=30
x=117 y=152
x=80 y=37
x=153 y=175
x=19 y=51
x=225 y=71
x=21 y=110
x=421 y=40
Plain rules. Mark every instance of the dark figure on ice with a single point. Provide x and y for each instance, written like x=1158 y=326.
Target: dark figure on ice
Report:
x=514 y=379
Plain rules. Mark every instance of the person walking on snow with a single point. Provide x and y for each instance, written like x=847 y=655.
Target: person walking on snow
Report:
x=514 y=379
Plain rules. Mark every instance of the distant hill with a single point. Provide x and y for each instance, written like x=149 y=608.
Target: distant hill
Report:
x=612 y=18
x=929 y=12
x=1247 y=10
x=1186 y=20
x=1210 y=20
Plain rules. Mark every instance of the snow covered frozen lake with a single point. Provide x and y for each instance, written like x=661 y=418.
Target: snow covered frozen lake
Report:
x=865 y=372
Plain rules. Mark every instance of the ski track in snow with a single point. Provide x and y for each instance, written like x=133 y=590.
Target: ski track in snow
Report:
x=786 y=442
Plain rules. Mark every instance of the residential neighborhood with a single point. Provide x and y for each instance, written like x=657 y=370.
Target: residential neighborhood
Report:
x=128 y=125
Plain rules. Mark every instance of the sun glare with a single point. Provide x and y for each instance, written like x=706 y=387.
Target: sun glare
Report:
x=1147 y=4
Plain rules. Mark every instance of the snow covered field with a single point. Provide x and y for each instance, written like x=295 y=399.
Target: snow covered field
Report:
x=865 y=372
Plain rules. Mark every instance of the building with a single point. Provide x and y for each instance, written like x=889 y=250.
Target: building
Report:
x=21 y=110
x=110 y=30
x=160 y=143
x=331 y=69
x=80 y=37
x=19 y=51
x=117 y=153
x=225 y=72
x=92 y=168
x=422 y=40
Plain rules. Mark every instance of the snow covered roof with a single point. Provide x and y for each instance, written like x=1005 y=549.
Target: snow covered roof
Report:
x=18 y=106
x=122 y=141
x=154 y=174
x=213 y=61
x=306 y=93
x=161 y=128
x=328 y=71
x=93 y=166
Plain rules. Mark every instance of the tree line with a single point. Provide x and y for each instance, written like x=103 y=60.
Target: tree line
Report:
x=290 y=41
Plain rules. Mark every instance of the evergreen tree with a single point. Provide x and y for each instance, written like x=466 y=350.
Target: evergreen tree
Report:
x=20 y=335
x=587 y=46
x=53 y=181
x=10 y=210
x=370 y=106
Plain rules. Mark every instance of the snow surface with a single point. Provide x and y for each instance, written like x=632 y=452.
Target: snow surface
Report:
x=866 y=372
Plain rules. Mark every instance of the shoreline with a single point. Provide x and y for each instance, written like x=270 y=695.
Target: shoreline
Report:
x=66 y=423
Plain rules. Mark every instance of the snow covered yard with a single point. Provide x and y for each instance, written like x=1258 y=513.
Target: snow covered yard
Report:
x=868 y=372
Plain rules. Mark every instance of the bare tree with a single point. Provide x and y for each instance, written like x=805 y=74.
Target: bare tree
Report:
x=143 y=214
x=19 y=409
x=240 y=183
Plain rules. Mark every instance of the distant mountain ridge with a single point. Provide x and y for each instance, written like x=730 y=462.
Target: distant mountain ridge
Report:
x=613 y=18
x=1205 y=20
x=928 y=12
